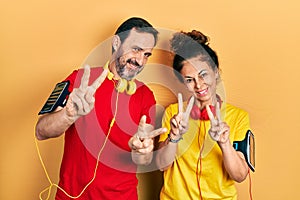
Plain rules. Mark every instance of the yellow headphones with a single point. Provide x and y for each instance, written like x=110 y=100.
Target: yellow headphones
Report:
x=123 y=84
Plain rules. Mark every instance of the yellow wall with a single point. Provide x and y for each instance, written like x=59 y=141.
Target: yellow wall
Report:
x=257 y=42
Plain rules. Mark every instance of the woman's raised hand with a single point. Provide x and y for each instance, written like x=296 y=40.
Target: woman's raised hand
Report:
x=180 y=121
x=219 y=130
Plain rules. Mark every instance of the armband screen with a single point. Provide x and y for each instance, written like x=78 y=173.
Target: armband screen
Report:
x=58 y=97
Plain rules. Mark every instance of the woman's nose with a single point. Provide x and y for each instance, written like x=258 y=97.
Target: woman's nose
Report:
x=198 y=82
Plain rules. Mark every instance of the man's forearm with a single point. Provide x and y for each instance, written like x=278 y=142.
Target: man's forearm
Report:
x=52 y=125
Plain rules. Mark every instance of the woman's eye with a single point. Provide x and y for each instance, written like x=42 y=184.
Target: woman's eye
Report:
x=202 y=75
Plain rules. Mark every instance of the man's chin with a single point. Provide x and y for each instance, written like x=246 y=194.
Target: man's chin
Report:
x=130 y=76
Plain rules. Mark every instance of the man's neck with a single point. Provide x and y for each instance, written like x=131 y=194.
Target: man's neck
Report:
x=112 y=69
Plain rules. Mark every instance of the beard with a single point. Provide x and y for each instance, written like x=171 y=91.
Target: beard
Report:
x=126 y=72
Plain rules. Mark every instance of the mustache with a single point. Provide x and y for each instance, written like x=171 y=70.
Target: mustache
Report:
x=133 y=62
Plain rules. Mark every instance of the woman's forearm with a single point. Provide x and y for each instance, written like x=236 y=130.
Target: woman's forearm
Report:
x=234 y=162
x=166 y=154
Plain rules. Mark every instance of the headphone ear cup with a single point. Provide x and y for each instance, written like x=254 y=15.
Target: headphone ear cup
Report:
x=110 y=75
x=195 y=112
x=131 y=87
x=122 y=85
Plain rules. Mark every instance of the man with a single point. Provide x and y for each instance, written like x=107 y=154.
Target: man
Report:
x=106 y=121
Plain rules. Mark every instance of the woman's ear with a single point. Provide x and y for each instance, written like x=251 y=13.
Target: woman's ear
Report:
x=116 y=42
x=217 y=74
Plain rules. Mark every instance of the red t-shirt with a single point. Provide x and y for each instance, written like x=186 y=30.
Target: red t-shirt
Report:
x=116 y=174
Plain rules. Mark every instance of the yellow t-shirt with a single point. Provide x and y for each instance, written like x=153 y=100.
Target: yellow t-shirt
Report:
x=189 y=174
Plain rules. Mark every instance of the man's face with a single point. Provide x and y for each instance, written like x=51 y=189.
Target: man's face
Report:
x=133 y=54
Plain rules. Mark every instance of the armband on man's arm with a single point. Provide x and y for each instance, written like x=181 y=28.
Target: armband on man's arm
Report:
x=58 y=97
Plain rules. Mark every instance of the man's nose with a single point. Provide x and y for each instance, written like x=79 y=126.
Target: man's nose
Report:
x=140 y=58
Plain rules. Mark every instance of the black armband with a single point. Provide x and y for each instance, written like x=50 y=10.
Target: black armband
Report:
x=247 y=147
x=58 y=97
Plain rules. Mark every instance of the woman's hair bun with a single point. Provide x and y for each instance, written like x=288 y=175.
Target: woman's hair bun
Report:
x=182 y=40
x=198 y=36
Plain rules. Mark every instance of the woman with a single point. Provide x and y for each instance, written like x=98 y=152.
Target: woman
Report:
x=196 y=154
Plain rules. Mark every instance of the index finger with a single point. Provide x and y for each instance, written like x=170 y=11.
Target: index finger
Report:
x=156 y=132
x=96 y=84
x=142 y=124
x=210 y=115
x=85 y=77
x=180 y=106
x=218 y=112
x=189 y=106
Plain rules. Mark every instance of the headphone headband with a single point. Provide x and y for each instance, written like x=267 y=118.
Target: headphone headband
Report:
x=122 y=84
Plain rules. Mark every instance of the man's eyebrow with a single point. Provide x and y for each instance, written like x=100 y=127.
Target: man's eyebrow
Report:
x=137 y=47
x=202 y=71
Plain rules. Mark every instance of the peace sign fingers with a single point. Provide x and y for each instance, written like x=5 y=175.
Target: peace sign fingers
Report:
x=219 y=131
x=179 y=122
x=180 y=103
x=188 y=109
x=218 y=112
x=146 y=131
x=97 y=83
x=85 y=78
x=185 y=114
x=83 y=97
x=142 y=141
x=214 y=121
x=214 y=125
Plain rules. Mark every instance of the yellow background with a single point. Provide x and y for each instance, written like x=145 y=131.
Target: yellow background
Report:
x=257 y=41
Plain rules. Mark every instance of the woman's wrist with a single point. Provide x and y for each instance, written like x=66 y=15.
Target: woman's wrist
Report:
x=174 y=138
x=224 y=145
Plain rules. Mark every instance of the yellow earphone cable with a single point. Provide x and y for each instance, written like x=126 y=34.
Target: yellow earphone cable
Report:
x=96 y=167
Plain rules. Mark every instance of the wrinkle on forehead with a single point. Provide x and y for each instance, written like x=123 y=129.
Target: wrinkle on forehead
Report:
x=142 y=40
x=199 y=63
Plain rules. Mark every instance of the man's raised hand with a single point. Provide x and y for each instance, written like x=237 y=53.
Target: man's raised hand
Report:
x=81 y=100
x=142 y=141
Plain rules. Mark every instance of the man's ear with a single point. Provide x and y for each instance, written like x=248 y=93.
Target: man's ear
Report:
x=116 y=42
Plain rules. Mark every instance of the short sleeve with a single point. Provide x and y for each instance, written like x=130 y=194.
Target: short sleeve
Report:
x=168 y=114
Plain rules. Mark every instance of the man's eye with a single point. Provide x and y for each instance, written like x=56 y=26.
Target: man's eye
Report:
x=147 y=55
x=188 y=80
x=136 y=49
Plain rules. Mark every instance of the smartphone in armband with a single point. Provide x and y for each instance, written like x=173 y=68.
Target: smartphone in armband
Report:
x=247 y=147
x=58 y=97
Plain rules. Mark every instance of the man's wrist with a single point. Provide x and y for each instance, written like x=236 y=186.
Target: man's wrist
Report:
x=70 y=116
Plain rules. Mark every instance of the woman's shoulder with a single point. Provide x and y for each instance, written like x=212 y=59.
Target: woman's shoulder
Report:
x=234 y=110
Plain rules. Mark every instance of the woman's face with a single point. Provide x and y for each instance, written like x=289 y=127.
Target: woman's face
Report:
x=200 y=80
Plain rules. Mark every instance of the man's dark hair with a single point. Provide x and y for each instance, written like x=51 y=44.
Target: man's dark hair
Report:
x=139 y=24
